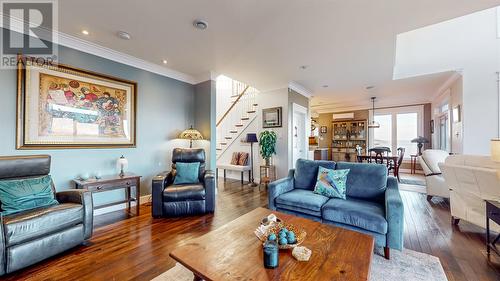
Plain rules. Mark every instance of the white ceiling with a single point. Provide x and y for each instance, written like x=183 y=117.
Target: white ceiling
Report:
x=415 y=90
x=345 y=44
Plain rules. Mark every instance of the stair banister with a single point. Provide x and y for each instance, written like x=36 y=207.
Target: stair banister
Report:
x=232 y=105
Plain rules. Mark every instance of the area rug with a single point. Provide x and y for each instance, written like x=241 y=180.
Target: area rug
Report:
x=413 y=182
x=403 y=266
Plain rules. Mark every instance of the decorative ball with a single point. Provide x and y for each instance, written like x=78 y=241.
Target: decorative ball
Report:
x=271 y=237
x=290 y=234
x=283 y=241
x=291 y=240
x=282 y=235
x=284 y=230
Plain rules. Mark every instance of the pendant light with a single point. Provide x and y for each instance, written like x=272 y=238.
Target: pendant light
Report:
x=373 y=124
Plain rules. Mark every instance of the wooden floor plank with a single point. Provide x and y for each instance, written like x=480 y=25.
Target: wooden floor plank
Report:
x=136 y=248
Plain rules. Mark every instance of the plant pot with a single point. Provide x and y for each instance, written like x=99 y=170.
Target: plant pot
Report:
x=267 y=161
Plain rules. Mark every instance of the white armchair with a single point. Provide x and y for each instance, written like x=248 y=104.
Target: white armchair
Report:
x=434 y=180
x=472 y=180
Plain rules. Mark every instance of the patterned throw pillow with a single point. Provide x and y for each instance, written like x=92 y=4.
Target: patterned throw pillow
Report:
x=331 y=183
x=235 y=158
x=243 y=160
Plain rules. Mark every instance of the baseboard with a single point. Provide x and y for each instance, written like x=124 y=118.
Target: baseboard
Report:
x=144 y=199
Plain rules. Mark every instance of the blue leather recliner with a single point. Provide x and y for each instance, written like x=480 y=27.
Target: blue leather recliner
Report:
x=373 y=205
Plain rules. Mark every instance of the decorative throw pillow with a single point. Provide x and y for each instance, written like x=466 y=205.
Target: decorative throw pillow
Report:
x=243 y=160
x=235 y=158
x=19 y=195
x=331 y=183
x=187 y=172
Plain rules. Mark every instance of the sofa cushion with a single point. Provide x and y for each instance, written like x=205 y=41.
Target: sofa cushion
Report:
x=301 y=200
x=17 y=195
x=359 y=213
x=365 y=180
x=306 y=172
x=184 y=192
x=29 y=225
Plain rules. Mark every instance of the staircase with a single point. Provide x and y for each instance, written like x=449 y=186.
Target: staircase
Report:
x=241 y=112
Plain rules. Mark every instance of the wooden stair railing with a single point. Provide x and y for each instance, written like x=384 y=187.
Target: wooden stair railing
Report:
x=232 y=105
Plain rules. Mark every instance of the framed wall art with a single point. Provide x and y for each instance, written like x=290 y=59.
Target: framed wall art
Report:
x=272 y=117
x=59 y=106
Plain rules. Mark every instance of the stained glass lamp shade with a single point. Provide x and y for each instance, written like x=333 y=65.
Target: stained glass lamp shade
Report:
x=191 y=134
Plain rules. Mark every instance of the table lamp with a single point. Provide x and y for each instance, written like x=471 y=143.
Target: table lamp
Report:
x=122 y=163
x=251 y=138
x=495 y=152
x=191 y=134
x=420 y=143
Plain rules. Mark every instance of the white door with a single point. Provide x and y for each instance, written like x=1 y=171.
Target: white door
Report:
x=299 y=133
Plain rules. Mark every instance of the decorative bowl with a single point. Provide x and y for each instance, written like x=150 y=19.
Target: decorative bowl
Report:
x=300 y=234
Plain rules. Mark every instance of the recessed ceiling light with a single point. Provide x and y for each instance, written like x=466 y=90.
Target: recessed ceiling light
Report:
x=200 y=24
x=303 y=66
x=123 y=35
x=164 y=61
x=325 y=86
x=85 y=32
x=369 y=87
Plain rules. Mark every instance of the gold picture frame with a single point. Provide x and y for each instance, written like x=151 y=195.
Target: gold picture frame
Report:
x=63 y=107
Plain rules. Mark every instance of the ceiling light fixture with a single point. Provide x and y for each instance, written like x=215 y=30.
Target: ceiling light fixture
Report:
x=373 y=124
x=369 y=87
x=303 y=67
x=85 y=32
x=200 y=24
x=325 y=86
x=123 y=35
x=164 y=61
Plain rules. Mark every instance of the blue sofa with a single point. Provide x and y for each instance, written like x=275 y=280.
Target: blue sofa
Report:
x=373 y=204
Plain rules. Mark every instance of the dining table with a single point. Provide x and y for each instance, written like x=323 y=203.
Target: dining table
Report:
x=386 y=157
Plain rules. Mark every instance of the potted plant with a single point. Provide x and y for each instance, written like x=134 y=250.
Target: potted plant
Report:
x=267 y=143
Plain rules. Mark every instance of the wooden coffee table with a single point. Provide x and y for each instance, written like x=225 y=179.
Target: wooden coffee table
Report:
x=233 y=252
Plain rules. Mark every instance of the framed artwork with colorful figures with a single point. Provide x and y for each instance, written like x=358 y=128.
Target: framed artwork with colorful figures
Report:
x=64 y=107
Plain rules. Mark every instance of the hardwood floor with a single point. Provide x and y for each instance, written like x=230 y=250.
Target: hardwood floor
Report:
x=137 y=248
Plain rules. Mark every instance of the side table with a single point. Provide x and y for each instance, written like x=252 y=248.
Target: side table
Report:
x=267 y=174
x=413 y=166
x=492 y=213
x=114 y=182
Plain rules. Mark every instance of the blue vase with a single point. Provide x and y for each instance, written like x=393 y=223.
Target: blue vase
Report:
x=271 y=254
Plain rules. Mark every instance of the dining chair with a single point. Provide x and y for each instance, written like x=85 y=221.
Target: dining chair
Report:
x=381 y=153
x=393 y=166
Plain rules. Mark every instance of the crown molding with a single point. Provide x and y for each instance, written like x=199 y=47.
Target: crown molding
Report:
x=446 y=85
x=300 y=89
x=108 y=53
x=82 y=45
x=207 y=76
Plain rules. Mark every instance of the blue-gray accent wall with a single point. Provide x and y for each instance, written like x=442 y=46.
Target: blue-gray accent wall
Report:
x=165 y=107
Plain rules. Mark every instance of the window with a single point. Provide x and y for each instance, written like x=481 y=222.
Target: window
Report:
x=398 y=126
x=407 y=129
x=383 y=136
x=443 y=132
